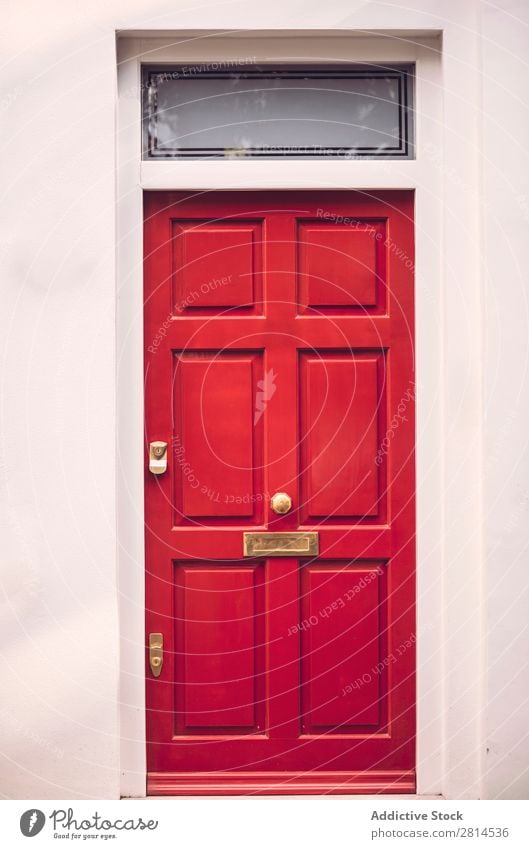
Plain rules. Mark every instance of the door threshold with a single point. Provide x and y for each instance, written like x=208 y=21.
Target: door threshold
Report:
x=389 y=782
x=363 y=797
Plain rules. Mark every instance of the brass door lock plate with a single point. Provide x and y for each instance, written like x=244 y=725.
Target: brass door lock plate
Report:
x=158 y=457
x=285 y=544
x=156 y=653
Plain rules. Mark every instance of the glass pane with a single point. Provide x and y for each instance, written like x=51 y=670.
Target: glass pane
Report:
x=271 y=113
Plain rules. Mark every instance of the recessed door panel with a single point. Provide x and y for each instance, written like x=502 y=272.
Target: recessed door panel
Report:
x=216 y=448
x=219 y=662
x=216 y=266
x=342 y=266
x=341 y=408
x=343 y=647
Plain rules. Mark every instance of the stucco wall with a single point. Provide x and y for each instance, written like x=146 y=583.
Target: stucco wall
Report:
x=505 y=88
x=59 y=668
x=59 y=723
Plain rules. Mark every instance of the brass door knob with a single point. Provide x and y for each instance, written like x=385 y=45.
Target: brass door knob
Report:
x=281 y=503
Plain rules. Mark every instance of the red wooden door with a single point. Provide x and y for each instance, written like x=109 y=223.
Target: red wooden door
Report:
x=279 y=357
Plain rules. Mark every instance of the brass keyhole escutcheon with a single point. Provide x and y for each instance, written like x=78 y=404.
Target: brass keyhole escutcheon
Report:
x=156 y=653
x=281 y=503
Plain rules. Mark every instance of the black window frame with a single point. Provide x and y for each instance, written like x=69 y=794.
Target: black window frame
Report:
x=403 y=73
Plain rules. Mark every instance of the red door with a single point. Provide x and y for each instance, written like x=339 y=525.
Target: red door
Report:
x=279 y=359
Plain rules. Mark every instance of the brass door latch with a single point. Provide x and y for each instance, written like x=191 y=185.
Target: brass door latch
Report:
x=158 y=457
x=156 y=653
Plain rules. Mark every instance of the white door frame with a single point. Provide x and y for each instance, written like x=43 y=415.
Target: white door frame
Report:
x=448 y=343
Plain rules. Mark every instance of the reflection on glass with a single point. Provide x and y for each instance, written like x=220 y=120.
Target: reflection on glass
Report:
x=277 y=113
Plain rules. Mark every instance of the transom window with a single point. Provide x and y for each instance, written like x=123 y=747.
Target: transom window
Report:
x=218 y=110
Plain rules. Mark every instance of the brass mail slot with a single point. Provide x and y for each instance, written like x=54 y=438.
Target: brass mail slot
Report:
x=281 y=544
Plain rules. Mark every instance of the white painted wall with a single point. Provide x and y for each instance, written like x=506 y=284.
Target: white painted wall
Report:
x=59 y=626
x=59 y=667
x=505 y=101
